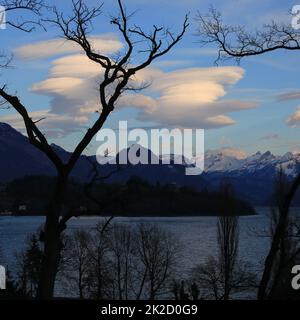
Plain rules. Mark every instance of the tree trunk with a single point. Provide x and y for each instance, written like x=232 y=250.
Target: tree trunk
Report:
x=277 y=238
x=226 y=283
x=80 y=286
x=52 y=241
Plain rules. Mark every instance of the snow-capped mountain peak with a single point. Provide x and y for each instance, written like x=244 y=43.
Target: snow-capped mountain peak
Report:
x=218 y=161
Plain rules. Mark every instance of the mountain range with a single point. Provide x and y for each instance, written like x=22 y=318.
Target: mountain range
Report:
x=252 y=176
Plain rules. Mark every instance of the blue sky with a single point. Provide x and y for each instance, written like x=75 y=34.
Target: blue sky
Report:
x=258 y=120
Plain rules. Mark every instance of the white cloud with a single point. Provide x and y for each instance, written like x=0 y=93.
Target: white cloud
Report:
x=192 y=97
x=294 y=119
x=72 y=85
x=107 y=43
x=76 y=65
x=57 y=85
x=54 y=125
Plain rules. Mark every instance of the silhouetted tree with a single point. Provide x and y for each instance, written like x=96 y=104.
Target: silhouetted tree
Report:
x=119 y=262
x=156 y=251
x=228 y=235
x=118 y=76
x=195 y=291
x=122 y=262
x=225 y=275
x=236 y=42
x=29 y=262
x=24 y=9
x=279 y=286
x=76 y=263
x=228 y=239
x=24 y=13
x=99 y=273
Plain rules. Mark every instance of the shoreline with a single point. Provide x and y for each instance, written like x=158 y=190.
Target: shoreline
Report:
x=134 y=216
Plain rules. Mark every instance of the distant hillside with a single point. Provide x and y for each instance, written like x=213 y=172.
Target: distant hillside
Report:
x=252 y=176
x=136 y=197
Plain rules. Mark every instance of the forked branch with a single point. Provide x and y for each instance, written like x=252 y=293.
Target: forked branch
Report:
x=236 y=42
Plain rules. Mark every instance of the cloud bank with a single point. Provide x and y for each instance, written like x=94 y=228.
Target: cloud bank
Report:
x=107 y=43
x=294 y=119
x=189 y=98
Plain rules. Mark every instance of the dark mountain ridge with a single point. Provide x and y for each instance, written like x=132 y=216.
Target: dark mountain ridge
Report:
x=253 y=176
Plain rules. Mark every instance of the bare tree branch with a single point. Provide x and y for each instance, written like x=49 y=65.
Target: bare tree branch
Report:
x=33 y=7
x=35 y=136
x=236 y=42
x=118 y=77
x=117 y=74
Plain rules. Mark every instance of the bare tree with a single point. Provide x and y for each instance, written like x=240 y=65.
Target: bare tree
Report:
x=228 y=239
x=99 y=270
x=76 y=263
x=228 y=236
x=104 y=201
x=289 y=249
x=86 y=267
x=118 y=77
x=121 y=246
x=156 y=254
x=209 y=277
x=24 y=17
x=28 y=267
x=118 y=262
x=236 y=42
x=227 y=274
x=25 y=7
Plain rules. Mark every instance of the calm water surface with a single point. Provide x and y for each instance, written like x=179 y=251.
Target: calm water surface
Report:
x=197 y=235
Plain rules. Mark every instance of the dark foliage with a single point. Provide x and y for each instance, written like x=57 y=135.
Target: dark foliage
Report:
x=136 y=198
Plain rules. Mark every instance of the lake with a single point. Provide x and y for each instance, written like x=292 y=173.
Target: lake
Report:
x=197 y=235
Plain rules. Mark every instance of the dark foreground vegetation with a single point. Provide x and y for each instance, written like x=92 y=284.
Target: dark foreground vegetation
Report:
x=29 y=196
x=120 y=261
